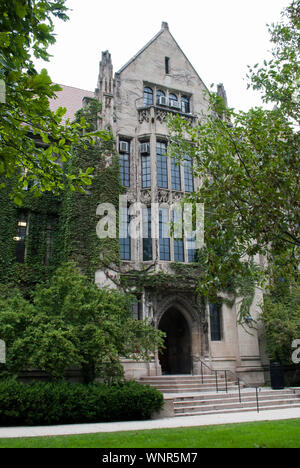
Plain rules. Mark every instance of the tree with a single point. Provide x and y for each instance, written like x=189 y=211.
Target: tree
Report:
x=278 y=79
x=281 y=320
x=249 y=164
x=73 y=322
x=26 y=28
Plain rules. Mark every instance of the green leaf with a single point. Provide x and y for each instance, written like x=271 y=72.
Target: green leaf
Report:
x=21 y=9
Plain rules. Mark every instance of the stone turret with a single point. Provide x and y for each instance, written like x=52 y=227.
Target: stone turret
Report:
x=222 y=93
x=105 y=89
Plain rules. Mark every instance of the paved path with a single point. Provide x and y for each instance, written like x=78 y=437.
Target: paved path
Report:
x=188 y=421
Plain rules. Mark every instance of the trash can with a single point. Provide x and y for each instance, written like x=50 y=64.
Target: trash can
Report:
x=277 y=376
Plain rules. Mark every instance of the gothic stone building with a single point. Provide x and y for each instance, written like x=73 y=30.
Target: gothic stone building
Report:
x=157 y=81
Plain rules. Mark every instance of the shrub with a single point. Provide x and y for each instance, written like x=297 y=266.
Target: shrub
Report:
x=72 y=322
x=281 y=320
x=43 y=403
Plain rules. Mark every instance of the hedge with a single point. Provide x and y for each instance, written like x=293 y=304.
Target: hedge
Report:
x=43 y=403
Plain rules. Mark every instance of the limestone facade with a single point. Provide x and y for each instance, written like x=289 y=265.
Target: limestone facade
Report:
x=138 y=117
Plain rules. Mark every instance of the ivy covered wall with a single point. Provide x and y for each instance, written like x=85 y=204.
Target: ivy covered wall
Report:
x=61 y=228
x=78 y=219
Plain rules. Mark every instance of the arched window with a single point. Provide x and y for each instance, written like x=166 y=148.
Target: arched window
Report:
x=148 y=96
x=185 y=104
x=173 y=100
x=160 y=97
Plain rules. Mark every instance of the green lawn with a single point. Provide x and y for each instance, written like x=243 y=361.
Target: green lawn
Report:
x=269 y=434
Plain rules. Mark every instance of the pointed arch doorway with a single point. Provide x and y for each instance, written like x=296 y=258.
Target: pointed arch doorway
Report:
x=175 y=358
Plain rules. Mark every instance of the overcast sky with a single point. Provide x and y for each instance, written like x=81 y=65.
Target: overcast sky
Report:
x=219 y=37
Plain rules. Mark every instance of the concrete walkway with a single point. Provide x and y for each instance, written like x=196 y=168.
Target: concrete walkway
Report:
x=189 y=421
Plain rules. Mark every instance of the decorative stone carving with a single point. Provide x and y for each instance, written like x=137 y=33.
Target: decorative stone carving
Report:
x=177 y=197
x=160 y=115
x=131 y=197
x=145 y=197
x=163 y=196
x=144 y=116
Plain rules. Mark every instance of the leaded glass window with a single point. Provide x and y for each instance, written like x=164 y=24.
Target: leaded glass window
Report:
x=146 y=170
x=125 y=247
x=185 y=104
x=164 y=236
x=137 y=308
x=148 y=96
x=125 y=166
x=159 y=94
x=175 y=174
x=215 y=313
x=147 y=235
x=177 y=235
x=191 y=251
x=188 y=174
x=173 y=100
x=162 y=165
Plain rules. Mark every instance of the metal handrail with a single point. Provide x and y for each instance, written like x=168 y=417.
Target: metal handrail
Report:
x=225 y=371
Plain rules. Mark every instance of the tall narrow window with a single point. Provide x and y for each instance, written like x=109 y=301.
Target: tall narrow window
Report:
x=20 y=238
x=188 y=174
x=146 y=165
x=148 y=96
x=50 y=231
x=125 y=250
x=162 y=165
x=167 y=65
x=137 y=308
x=164 y=236
x=178 y=241
x=175 y=174
x=125 y=163
x=215 y=313
x=147 y=235
x=185 y=104
x=191 y=249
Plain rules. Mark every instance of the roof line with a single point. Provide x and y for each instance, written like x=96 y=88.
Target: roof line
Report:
x=140 y=51
x=74 y=87
x=189 y=62
x=164 y=27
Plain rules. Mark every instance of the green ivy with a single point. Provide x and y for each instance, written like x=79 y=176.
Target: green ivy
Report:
x=78 y=219
x=63 y=228
x=181 y=276
x=39 y=212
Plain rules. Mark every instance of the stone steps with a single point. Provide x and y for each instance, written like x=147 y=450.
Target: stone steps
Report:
x=196 y=395
x=239 y=410
x=231 y=397
x=192 y=388
x=185 y=383
x=232 y=404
